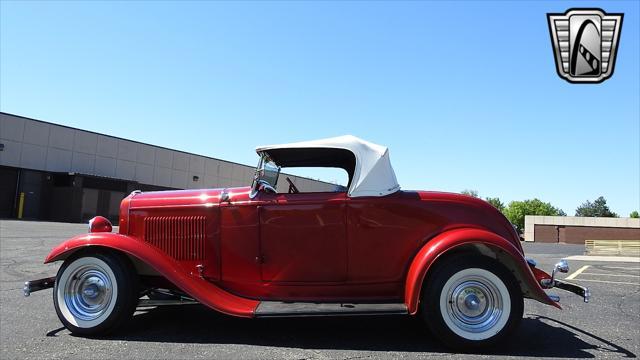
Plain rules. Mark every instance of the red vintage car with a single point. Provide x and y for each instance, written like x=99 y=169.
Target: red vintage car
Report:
x=368 y=248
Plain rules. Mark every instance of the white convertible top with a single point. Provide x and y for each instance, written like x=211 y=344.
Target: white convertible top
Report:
x=371 y=175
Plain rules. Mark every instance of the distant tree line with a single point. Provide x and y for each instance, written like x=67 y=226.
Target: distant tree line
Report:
x=515 y=211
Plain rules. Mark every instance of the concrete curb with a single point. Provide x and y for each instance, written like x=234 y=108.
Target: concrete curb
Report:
x=604 y=258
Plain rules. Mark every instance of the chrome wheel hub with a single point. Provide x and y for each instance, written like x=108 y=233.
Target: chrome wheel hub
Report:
x=474 y=304
x=88 y=292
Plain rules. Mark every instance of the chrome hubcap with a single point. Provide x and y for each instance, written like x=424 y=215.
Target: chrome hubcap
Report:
x=474 y=304
x=88 y=292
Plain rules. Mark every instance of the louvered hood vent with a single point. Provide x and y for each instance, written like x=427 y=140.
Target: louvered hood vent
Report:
x=181 y=237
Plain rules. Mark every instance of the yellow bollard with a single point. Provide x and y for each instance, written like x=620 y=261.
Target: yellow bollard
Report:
x=21 y=205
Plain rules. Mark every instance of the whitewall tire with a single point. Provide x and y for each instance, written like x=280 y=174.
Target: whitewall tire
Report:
x=471 y=301
x=95 y=292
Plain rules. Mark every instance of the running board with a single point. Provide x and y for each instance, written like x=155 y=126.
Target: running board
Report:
x=292 y=309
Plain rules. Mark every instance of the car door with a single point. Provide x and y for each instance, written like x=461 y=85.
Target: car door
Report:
x=303 y=238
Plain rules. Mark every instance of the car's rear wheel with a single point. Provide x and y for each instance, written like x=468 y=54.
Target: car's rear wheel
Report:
x=471 y=302
x=95 y=293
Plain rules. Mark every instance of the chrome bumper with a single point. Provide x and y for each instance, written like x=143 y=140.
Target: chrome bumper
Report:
x=549 y=283
x=574 y=288
x=37 y=285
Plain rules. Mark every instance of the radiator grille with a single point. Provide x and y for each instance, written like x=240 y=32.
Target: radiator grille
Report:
x=181 y=237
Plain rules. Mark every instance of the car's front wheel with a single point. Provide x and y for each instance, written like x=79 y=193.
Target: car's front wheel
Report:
x=95 y=293
x=471 y=302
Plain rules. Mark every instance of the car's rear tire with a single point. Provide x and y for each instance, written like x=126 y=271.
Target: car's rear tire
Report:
x=95 y=293
x=471 y=302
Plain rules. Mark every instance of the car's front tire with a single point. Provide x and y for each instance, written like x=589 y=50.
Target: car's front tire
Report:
x=471 y=302
x=95 y=293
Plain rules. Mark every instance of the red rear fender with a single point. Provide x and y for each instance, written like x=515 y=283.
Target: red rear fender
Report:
x=192 y=284
x=482 y=241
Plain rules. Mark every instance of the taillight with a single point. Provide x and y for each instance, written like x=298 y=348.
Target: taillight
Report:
x=100 y=224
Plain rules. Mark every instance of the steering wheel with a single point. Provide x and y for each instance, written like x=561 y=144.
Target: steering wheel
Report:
x=292 y=187
x=263 y=185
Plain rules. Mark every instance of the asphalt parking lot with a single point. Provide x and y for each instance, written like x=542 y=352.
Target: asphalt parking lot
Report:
x=607 y=327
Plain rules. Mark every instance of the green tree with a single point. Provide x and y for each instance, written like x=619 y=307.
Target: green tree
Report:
x=496 y=203
x=517 y=210
x=597 y=208
x=634 y=214
x=473 y=193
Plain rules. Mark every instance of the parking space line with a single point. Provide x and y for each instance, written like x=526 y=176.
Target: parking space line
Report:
x=620 y=267
x=611 y=282
x=578 y=272
x=598 y=274
x=593 y=258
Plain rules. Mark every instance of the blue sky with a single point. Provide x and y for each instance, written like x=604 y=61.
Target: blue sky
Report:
x=465 y=94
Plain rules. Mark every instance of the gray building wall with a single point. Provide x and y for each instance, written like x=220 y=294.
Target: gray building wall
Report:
x=68 y=174
x=38 y=145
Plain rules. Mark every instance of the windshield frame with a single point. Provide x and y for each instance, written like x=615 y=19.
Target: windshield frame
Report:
x=259 y=174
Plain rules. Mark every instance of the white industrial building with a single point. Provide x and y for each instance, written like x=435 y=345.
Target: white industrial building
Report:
x=69 y=174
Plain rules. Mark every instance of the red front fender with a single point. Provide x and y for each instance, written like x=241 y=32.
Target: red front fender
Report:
x=450 y=240
x=192 y=284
